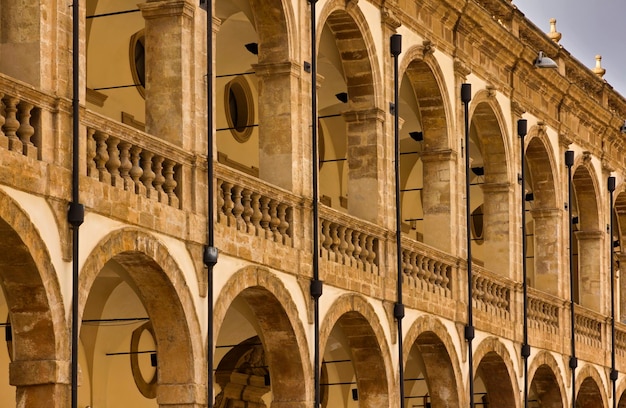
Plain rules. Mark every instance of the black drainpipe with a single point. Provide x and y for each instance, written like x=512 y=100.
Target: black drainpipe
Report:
x=614 y=373
x=466 y=97
x=398 y=310
x=76 y=211
x=316 y=286
x=209 y=257
x=573 y=361
x=522 y=126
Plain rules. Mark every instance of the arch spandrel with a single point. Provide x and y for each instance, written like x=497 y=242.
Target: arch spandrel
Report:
x=161 y=288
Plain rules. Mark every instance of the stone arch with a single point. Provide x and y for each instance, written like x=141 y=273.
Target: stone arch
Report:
x=546 y=381
x=36 y=310
x=160 y=285
x=493 y=357
x=282 y=332
x=441 y=361
x=590 y=388
x=492 y=197
x=618 y=212
x=621 y=394
x=544 y=213
x=588 y=235
x=274 y=23
x=370 y=352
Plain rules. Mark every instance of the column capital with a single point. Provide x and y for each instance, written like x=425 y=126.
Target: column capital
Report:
x=167 y=8
x=39 y=372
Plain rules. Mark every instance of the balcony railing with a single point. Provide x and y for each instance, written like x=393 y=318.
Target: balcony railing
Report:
x=426 y=269
x=492 y=293
x=543 y=312
x=589 y=327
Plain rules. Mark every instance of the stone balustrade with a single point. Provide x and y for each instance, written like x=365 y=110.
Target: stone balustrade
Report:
x=620 y=339
x=588 y=327
x=254 y=207
x=349 y=241
x=20 y=118
x=543 y=312
x=132 y=160
x=491 y=293
x=427 y=270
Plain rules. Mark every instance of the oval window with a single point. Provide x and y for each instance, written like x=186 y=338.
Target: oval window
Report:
x=239 y=109
x=137 y=56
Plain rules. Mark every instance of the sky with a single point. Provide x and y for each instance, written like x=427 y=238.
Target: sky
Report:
x=588 y=28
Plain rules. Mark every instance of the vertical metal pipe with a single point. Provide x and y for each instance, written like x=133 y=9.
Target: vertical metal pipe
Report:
x=316 y=286
x=76 y=211
x=522 y=127
x=466 y=97
x=210 y=255
x=398 y=311
x=573 y=361
x=614 y=373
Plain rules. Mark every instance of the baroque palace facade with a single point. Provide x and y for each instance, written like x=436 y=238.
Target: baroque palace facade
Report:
x=134 y=153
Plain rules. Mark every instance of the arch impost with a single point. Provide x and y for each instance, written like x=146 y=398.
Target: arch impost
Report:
x=39 y=372
x=167 y=8
x=278 y=68
x=496 y=187
x=438 y=155
x=176 y=394
x=364 y=115
x=538 y=213
x=582 y=235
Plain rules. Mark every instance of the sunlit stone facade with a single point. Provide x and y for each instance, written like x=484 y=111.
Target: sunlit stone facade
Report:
x=142 y=176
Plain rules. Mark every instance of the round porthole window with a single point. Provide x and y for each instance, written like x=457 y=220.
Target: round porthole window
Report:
x=239 y=108
x=137 y=57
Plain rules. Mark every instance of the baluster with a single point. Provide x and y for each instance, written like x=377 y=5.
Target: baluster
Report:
x=438 y=279
x=266 y=218
x=4 y=141
x=371 y=251
x=148 y=175
x=159 y=178
x=356 y=239
x=238 y=207
x=274 y=221
x=169 y=185
x=220 y=200
x=136 y=171
x=406 y=267
x=284 y=223
x=113 y=164
x=350 y=247
x=11 y=124
x=126 y=165
x=91 y=154
x=363 y=245
x=26 y=130
x=102 y=156
x=334 y=245
x=227 y=188
x=341 y=235
x=246 y=201
x=326 y=241
x=257 y=215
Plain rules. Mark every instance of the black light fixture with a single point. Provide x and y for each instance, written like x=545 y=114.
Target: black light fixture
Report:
x=616 y=243
x=575 y=220
x=8 y=333
x=544 y=62
x=623 y=127
x=253 y=48
x=342 y=97
x=529 y=196
x=355 y=394
x=153 y=359
x=417 y=136
x=479 y=171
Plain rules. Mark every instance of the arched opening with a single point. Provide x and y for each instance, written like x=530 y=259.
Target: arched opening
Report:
x=424 y=154
x=544 y=389
x=589 y=395
x=619 y=229
x=139 y=333
x=542 y=217
x=257 y=353
x=490 y=190
x=588 y=239
x=494 y=378
x=349 y=123
x=31 y=313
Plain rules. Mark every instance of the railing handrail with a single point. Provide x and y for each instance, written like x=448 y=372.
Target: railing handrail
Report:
x=339 y=217
x=30 y=94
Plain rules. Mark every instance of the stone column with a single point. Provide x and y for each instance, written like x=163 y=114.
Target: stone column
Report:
x=365 y=163
x=589 y=269
x=496 y=227
x=170 y=61
x=547 y=248
x=437 y=198
x=620 y=286
x=41 y=383
x=278 y=107
x=181 y=395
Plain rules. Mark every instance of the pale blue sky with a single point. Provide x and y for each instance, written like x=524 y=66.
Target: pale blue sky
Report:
x=588 y=28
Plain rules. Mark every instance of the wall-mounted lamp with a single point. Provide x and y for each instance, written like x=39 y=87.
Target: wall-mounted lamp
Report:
x=342 y=97
x=529 y=197
x=355 y=394
x=253 y=48
x=479 y=171
x=8 y=333
x=616 y=244
x=544 y=62
x=417 y=136
x=574 y=220
x=623 y=127
x=153 y=359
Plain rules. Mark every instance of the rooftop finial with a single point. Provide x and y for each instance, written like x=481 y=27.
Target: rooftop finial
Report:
x=598 y=70
x=553 y=34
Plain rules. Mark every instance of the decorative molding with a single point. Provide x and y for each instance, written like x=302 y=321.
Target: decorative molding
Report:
x=95 y=97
